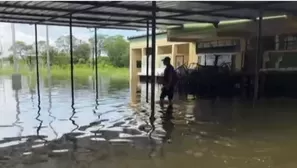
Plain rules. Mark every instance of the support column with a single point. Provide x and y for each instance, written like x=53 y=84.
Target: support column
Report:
x=96 y=64
x=71 y=59
x=147 y=58
x=193 y=57
x=15 y=59
x=16 y=76
x=72 y=76
x=38 y=84
x=1 y=51
x=93 y=57
x=258 y=56
x=153 y=57
x=37 y=63
x=47 y=52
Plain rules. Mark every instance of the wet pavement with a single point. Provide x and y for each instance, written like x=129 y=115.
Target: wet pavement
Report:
x=112 y=132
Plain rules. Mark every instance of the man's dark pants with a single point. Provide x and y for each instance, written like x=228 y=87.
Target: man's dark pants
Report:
x=167 y=92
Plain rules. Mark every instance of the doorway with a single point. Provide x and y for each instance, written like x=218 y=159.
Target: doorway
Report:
x=179 y=60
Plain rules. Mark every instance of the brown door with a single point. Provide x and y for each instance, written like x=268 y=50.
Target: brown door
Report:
x=179 y=60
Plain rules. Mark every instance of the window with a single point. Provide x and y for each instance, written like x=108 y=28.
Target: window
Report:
x=222 y=59
x=199 y=59
x=138 y=64
x=290 y=42
x=281 y=60
x=218 y=43
x=287 y=42
x=143 y=63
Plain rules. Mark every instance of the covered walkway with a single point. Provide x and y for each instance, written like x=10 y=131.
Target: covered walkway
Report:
x=137 y=15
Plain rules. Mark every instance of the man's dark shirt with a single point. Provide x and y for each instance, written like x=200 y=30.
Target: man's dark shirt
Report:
x=169 y=70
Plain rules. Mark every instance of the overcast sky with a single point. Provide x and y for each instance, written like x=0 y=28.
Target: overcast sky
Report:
x=25 y=32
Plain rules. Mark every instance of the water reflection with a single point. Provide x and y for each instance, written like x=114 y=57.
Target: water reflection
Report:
x=167 y=123
x=18 y=112
x=53 y=118
x=108 y=132
x=39 y=127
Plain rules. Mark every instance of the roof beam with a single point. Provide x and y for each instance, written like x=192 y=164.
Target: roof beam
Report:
x=78 y=11
x=103 y=13
x=74 y=25
x=142 y=20
x=159 y=9
x=83 y=18
x=259 y=5
x=32 y=21
x=205 y=11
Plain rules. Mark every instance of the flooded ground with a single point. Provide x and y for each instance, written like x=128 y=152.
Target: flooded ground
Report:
x=112 y=133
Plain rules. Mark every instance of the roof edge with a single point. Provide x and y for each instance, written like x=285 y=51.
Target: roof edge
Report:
x=144 y=35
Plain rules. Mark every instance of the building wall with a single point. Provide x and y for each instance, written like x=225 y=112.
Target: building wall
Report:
x=177 y=51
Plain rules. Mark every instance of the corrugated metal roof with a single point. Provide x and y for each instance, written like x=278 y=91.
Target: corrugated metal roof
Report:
x=133 y=14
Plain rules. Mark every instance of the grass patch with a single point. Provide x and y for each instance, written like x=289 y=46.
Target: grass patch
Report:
x=80 y=71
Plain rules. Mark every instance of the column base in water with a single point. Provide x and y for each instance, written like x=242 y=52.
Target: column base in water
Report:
x=16 y=81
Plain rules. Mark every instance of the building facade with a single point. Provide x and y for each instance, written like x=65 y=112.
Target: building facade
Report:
x=236 y=44
x=229 y=49
x=179 y=52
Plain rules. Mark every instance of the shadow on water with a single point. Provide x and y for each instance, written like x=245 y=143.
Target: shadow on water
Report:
x=83 y=131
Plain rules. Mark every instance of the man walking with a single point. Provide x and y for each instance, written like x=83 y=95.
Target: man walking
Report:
x=169 y=81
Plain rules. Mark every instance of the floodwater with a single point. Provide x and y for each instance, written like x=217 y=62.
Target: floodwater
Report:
x=58 y=132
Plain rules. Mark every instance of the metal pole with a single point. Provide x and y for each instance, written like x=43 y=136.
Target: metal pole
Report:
x=71 y=71
x=91 y=53
x=15 y=60
x=38 y=84
x=153 y=57
x=96 y=64
x=37 y=63
x=71 y=59
x=47 y=51
x=93 y=57
x=258 y=55
x=1 y=51
x=147 y=58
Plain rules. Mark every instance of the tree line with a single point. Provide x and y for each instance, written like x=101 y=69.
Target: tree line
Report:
x=116 y=49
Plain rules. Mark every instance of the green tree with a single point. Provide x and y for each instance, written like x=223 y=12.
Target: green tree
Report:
x=63 y=43
x=41 y=47
x=100 y=43
x=81 y=53
x=9 y=58
x=21 y=48
x=24 y=51
x=117 y=49
x=53 y=54
x=61 y=60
